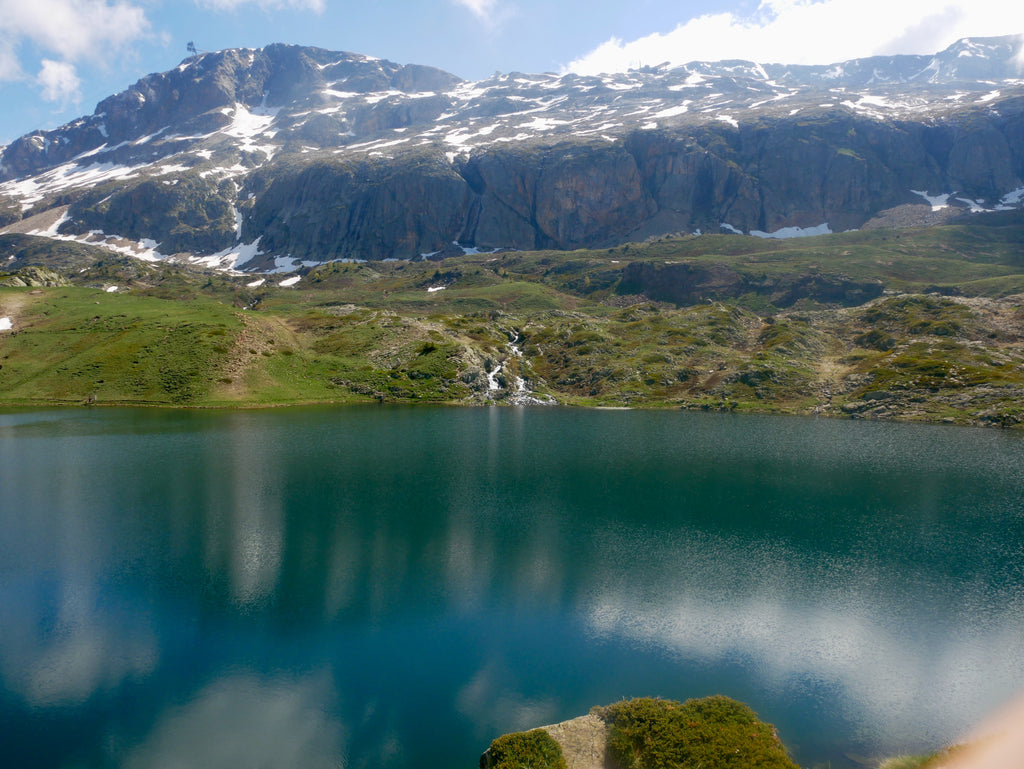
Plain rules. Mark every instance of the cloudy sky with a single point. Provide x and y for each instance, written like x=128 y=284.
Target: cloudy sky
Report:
x=58 y=58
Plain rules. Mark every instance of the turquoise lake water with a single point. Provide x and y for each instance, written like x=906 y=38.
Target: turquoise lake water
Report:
x=395 y=587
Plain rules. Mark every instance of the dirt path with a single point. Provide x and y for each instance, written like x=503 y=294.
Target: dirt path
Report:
x=11 y=305
x=830 y=376
x=259 y=335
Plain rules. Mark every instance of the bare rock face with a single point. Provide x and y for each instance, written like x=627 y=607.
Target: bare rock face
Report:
x=584 y=742
x=364 y=210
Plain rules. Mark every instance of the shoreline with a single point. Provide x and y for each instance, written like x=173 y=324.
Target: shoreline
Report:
x=72 y=405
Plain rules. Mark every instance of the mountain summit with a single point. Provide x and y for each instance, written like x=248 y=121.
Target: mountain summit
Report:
x=268 y=158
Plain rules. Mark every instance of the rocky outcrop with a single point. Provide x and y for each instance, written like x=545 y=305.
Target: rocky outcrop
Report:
x=688 y=284
x=583 y=741
x=190 y=214
x=38 y=277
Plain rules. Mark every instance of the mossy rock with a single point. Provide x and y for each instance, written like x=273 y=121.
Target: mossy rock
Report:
x=524 y=750
x=712 y=733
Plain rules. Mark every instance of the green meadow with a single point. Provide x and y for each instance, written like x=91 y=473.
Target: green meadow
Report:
x=919 y=324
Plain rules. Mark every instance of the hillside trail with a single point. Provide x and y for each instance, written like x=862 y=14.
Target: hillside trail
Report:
x=12 y=303
x=830 y=375
x=260 y=334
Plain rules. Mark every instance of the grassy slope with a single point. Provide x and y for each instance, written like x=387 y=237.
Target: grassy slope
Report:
x=374 y=331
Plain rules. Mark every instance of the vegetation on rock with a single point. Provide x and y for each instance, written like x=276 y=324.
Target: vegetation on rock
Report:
x=712 y=733
x=535 y=749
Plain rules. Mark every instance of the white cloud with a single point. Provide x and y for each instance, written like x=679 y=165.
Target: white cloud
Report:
x=74 y=29
x=10 y=67
x=59 y=81
x=317 y=6
x=812 y=32
x=66 y=32
x=483 y=9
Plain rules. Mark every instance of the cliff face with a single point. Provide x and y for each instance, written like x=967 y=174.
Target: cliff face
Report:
x=842 y=171
x=322 y=155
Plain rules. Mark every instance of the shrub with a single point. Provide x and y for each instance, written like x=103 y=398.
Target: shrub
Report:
x=711 y=733
x=526 y=750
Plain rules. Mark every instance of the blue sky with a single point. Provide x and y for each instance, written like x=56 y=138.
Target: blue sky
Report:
x=58 y=58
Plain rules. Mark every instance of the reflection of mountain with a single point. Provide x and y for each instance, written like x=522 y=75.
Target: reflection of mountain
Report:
x=508 y=566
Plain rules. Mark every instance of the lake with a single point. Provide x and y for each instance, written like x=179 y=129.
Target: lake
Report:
x=395 y=587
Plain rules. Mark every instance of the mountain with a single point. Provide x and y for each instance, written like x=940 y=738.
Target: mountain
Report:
x=288 y=156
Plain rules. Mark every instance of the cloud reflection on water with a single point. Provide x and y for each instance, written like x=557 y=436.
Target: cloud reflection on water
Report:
x=246 y=721
x=843 y=623
x=490 y=567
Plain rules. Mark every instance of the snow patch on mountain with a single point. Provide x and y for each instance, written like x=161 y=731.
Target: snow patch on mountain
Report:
x=794 y=232
x=1012 y=199
x=248 y=125
x=937 y=202
x=64 y=177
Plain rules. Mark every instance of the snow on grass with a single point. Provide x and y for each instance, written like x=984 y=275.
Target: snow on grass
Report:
x=630 y=86
x=517 y=138
x=990 y=96
x=937 y=202
x=728 y=119
x=673 y=111
x=256 y=283
x=975 y=205
x=340 y=94
x=144 y=249
x=794 y=232
x=170 y=169
x=230 y=258
x=5 y=324
x=543 y=124
x=648 y=126
x=291 y=264
x=287 y=282
x=380 y=96
x=112 y=289
x=729 y=228
x=434 y=289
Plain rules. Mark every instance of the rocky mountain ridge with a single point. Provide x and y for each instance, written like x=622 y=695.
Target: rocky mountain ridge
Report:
x=284 y=156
